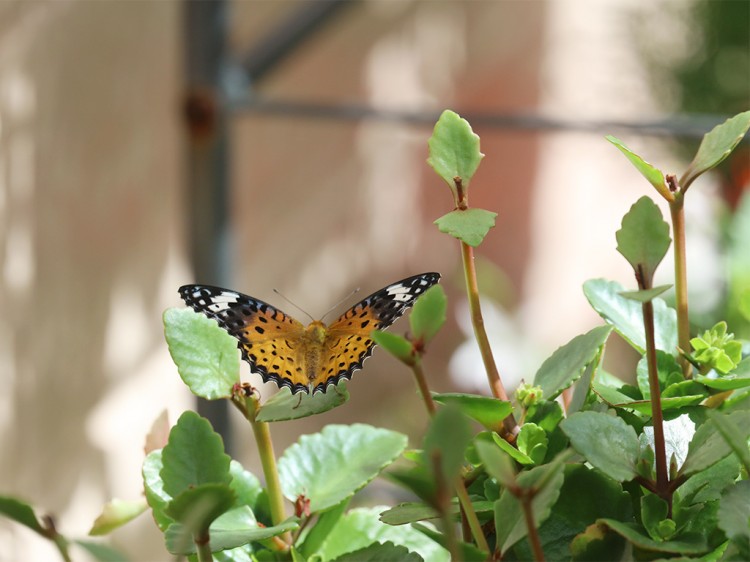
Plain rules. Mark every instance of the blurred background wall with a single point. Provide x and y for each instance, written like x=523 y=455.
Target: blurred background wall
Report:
x=96 y=227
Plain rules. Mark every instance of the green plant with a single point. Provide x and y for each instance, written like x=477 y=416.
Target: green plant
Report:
x=652 y=470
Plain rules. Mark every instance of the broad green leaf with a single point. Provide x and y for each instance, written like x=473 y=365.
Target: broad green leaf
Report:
x=716 y=146
x=583 y=387
x=654 y=176
x=708 y=485
x=667 y=368
x=546 y=482
x=497 y=464
x=330 y=466
x=205 y=355
x=377 y=552
x=395 y=344
x=233 y=529
x=654 y=510
x=194 y=456
x=245 y=484
x=585 y=496
x=428 y=314
x=617 y=399
x=708 y=447
x=416 y=478
x=646 y=295
x=490 y=412
x=626 y=316
x=448 y=435
x=515 y=454
x=607 y=442
x=116 y=513
x=734 y=511
x=284 y=406
x=470 y=225
x=153 y=487
x=101 y=551
x=20 y=512
x=644 y=238
x=408 y=512
x=735 y=437
x=532 y=441
x=196 y=508
x=686 y=545
x=597 y=542
x=361 y=527
x=566 y=364
x=466 y=552
x=454 y=149
x=309 y=543
x=739 y=378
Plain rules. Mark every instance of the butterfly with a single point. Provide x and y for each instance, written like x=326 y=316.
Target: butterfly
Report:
x=305 y=358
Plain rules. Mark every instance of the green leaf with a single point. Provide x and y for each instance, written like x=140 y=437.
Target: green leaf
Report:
x=116 y=513
x=644 y=238
x=448 y=436
x=466 y=552
x=708 y=447
x=330 y=466
x=100 y=551
x=514 y=453
x=194 y=456
x=20 y=512
x=654 y=176
x=196 y=508
x=717 y=349
x=708 y=485
x=428 y=314
x=532 y=441
x=361 y=527
x=654 y=510
x=454 y=149
x=545 y=481
x=490 y=412
x=311 y=542
x=205 y=355
x=687 y=545
x=607 y=442
x=497 y=464
x=408 y=512
x=585 y=496
x=735 y=437
x=646 y=295
x=740 y=378
x=396 y=345
x=377 y=552
x=245 y=484
x=626 y=316
x=233 y=529
x=734 y=511
x=716 y=146
x=470 y=225
x=284 y=406
x=566 y=364
x=153 y=487
x=666 y=367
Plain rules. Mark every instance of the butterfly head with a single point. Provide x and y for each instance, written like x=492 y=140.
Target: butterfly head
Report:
x=316 y=331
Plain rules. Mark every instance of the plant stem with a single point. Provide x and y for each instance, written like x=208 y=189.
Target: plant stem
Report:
x=442 y=501
x=423 y=388
x=534 y=541
x=677 y=210
x=662 y=476
x=471 y=517
x=493 y=376
x=203 y=548
x=268 y=462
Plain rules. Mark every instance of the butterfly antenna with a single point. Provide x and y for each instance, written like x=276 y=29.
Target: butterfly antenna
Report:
x=303 y=311
x=346 y=298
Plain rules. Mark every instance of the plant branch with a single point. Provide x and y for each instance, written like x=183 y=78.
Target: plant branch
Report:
x=442 y=502
x=424 y=390
x=662 y=475
x=528 y=514
x=677 y=211
x=203 y=548
x=471 y=517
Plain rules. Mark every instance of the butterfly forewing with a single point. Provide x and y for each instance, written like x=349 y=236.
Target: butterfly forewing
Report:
x=280 y=349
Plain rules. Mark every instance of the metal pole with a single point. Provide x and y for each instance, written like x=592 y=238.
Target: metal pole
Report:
x=207 y=160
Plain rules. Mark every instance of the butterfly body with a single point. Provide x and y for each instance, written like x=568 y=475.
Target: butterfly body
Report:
x=305 y=358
